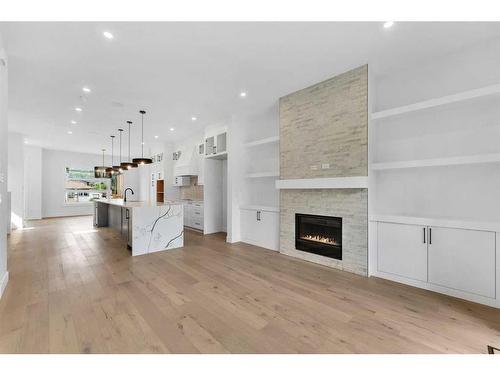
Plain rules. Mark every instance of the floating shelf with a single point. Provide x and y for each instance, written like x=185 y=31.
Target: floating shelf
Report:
x=492 y=226
x=262 y=174
x=358 y=182
x=219 y=156
x=456 y=160
x=259 y=208
x=454 y=98
x=262 y=141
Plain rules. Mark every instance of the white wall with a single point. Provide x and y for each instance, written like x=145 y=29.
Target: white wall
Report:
x=4 y=214
x=53 y=177
x=33 y=182
x=16 y=178
x=224 y=195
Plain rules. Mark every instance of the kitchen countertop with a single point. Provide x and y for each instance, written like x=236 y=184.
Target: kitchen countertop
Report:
x=136 y=204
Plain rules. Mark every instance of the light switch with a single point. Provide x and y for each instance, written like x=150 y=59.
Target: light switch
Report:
x=325 y=166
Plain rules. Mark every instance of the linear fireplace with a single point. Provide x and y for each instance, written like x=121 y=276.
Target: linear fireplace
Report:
x=320 y=235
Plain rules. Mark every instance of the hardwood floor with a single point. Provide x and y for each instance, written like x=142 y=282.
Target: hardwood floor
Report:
x=74 y=289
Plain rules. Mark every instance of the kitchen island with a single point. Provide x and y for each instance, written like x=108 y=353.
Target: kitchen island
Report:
x=147 y=227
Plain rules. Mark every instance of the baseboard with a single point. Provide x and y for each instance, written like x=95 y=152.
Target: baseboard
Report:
x=3 y=283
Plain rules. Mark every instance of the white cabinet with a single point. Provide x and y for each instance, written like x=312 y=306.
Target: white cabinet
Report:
x=260 y=228
x=216 y=146
x=193 y=215
x=182 y=181
x=403 y=250
x=463 y=260
x=457 y=261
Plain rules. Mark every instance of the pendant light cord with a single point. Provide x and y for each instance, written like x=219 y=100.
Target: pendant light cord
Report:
x=129 y=123
x=112 y=148
x=142 y=132
x=120 y=130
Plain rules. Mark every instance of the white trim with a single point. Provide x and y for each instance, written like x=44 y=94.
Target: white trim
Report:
x=263 y=141
x=3 y=283
x=219 y=156
x=358 y=182
x=439 y=289
x=491 y=226
x=262 y=174
x=259 y=208
x=435 y=102
x=456 y=160
x=255 y=243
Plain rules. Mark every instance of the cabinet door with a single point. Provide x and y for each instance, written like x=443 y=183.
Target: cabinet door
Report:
x=221 y=143
x=209 y=146
x=263 y=232
x=402 y=250
x=462 y=259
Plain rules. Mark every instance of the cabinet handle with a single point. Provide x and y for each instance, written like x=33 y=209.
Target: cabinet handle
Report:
x=126 y=214
x=258 y=215
x=424 y=234
x=430 y=236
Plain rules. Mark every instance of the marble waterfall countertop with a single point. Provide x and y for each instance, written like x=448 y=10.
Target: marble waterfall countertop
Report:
x=153 y=226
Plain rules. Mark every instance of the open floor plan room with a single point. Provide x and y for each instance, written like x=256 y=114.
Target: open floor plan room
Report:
x=246 y=187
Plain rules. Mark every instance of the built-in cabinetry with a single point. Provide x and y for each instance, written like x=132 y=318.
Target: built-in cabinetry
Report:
x=216 y=146
x=260 y=226
x=453 y=260
x=433 y=175
x=100 y=214
x=193 y=215
x=126 y=225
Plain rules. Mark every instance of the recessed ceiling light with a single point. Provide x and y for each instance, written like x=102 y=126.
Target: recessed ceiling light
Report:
x=156 y=137
x=193 y=118
x=172 y=129
x=108 y=35
x=86 y=89
x=388 y=24
x=78 y=109
x=70 y=132
x=73 y=122
x=243 y=94
x=142 y=143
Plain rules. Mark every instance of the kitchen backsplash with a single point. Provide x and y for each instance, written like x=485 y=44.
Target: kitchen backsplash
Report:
x=193 y=191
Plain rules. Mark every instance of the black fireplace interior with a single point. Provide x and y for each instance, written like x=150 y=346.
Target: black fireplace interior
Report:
x=320 y=235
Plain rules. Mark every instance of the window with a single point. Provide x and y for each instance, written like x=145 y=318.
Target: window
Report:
x=82 y=187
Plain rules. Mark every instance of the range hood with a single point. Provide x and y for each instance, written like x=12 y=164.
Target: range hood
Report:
x=187 y=165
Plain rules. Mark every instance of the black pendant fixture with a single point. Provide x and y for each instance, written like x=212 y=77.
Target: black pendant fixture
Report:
x=142 y=159
x=118 y=168
x=111 y=170
x=100 y=171
x=128 y=164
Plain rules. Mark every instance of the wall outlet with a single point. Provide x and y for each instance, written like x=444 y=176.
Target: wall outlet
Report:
x=314 y=167
x=325 y=166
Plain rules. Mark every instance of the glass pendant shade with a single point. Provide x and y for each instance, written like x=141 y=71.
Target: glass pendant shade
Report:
x=128 y=164
x=100 y=171
x=142 y=160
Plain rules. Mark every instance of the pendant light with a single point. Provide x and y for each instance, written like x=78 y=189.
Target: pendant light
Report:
x=111 y=170
x=128 y=164
x=118 y=168
x=142 y=159
x=100 y=170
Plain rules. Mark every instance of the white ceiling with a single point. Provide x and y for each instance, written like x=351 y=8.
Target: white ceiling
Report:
x=177 y=70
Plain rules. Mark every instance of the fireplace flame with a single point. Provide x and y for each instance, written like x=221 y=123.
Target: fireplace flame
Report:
x=318 y=238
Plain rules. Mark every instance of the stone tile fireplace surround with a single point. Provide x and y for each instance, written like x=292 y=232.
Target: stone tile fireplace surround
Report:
x=324 y=134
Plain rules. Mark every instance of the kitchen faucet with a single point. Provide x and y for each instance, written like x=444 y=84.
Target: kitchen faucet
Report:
x=125 y=194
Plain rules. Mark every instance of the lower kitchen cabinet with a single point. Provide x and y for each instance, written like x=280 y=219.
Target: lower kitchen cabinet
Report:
x=193 y=215
x=260 y=228
x=449 y=260
x=463 y=260
x=403 y=250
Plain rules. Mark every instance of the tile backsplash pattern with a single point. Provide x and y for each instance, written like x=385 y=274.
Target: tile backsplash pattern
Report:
x=193 y=191
x=324 y=133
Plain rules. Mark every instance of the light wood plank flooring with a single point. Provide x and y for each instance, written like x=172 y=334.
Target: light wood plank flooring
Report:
x=74 y=289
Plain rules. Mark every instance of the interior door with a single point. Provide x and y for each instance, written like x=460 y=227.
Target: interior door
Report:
x=463 y=260
x=402 y=250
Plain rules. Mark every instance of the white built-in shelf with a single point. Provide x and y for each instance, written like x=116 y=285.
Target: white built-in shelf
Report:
x=263 y=141
x=358 y=182
x=493 y=226
x=253 y=207
x=262 y=174
x=456 y=160
x=218 y=156
x=436 y=102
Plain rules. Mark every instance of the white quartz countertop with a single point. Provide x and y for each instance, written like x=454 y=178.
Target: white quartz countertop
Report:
x=135 y=204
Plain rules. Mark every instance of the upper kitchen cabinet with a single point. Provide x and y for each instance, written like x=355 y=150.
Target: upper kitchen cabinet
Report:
x=216 y=146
